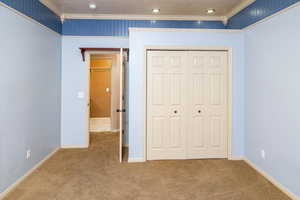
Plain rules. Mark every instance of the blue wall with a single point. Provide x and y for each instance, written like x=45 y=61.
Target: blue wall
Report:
x=74 y=80
x=272 y=97
x=90 y=27
x=37 y=11
x=138 y=39
x=259 y=10
x=30 y=94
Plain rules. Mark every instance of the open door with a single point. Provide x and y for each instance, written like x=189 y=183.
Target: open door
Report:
x=121 y=110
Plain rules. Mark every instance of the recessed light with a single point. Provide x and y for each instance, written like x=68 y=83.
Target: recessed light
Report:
x=155 y=10
x=92 y=6
x=210 y=11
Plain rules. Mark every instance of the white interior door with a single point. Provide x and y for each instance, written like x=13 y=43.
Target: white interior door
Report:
x=88 y=100
x=166 y=99
x=186 y=104
x=122 y=115
x=121 y=108
x=207 y=118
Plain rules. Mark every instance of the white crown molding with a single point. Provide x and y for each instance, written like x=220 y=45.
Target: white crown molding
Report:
x=52 y=7
x=142 y=17
x=186 y=30
x=239 y=8
x=224 y=19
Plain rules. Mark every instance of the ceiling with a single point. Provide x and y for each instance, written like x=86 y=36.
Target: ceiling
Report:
x=184 y=9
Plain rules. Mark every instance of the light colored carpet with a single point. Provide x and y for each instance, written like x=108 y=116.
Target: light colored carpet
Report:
x=96 y=174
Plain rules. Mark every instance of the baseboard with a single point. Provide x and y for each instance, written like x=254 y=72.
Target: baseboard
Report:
x=136 y=160
x=10 y=188
x=236 y=158
x=272 y=180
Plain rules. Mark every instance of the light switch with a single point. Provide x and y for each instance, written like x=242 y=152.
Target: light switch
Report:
x=80 y=95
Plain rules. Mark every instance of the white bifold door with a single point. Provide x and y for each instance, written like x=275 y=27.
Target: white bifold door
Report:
x=187 y=104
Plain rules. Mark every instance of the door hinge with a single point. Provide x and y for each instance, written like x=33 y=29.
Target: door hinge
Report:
x=119 y=110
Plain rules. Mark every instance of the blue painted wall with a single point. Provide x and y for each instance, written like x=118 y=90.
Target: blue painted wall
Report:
x=30 y=94
x=74 y=80
x=272 y=97
x=138 y=39
x=90 y=27
x=37 y=11
x=259 y=10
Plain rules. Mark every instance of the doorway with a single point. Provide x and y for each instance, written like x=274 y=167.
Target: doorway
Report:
x=106 y=92
x=102 y=93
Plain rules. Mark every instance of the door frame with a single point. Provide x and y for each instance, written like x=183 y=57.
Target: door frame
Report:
x=229 y=95
x=87 y=99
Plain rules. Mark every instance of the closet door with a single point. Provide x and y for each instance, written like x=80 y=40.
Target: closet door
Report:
x=166 y=104
x=207 y=136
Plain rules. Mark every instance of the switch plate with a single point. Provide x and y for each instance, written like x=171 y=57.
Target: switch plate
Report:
x=263 y=154
x=80 y=95
x=28 y=154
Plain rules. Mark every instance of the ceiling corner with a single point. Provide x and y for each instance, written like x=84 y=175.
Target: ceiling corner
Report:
x=52 y=7
x=239 y=7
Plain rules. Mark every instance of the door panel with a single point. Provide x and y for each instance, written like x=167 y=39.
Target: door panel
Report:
x=100 y=84
x=186 y=104
x=166 y=119
x=208 y=84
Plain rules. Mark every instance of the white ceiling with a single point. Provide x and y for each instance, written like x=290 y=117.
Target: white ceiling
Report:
x=170 y=8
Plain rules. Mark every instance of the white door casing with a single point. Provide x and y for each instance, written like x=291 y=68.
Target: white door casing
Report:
x=193 y=83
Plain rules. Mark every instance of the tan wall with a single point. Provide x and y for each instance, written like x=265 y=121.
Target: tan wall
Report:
x=106 y=61
x=100 y=86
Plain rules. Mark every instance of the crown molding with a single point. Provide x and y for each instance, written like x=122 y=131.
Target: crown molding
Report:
x=52 y=7
x=224 y=19
x=142 y=17
x=239 y=8
x=186 y=30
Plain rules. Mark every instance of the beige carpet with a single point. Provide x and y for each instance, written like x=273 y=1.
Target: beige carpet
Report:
x=96 y=174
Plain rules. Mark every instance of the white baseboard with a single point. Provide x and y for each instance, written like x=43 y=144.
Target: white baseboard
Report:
x=10 y=188
x=236 y=158
x=272 y=180
x=136 y=160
